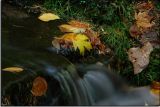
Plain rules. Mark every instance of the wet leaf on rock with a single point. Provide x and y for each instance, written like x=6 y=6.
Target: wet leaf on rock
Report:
x=74 y=26
x=79 y=36
x=69 y=28
x=79 y=24
x=48 y=17
x=77 y=41
x=82 y=42
x=13 y=69
x=140 y=57
x=39 y=87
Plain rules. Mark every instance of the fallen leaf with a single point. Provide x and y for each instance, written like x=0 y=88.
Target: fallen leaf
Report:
x=140 y=57
x=69 y=37
x=145 y=6
x=39 y=87
x=69 y=28
x=48 y=17
x=95 y=40
x=56 y=44
x=152 y=37
x=143 y=20
x=155 y=88
x=134 y=31
x=79 y=24
x=13 y=69
x=81 y=36
x=82 y=42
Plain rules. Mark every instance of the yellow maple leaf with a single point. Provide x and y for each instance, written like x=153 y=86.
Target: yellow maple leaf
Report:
x=81 y=42
x=13 y=69
x=47 y=17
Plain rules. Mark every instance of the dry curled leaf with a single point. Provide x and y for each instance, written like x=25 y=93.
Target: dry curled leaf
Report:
x=48 y=17
x=13 y=69
x=140 y=57
x=95 y=41
x=145 y=6
x=143 y=20
x=39 y=87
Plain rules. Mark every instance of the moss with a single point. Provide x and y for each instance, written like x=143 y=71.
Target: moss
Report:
x=118 y=38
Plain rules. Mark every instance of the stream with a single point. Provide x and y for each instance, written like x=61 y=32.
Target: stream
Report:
x=27 y=43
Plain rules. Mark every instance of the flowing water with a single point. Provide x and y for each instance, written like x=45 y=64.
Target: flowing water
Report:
x=26 y=42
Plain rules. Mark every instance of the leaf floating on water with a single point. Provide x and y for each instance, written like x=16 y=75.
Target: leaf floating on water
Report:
x=140 y=57
x=69 y=28
x=47 y=17
x=39 y=87
x=82 y=42
x=155 y=88
x=13 y=69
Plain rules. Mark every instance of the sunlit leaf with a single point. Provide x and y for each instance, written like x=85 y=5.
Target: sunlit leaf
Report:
x=69 y=36
x=69 y=28
x=48 y=16
x=39 y=87
x=79 y=24
x=81 y=42
x=140 y=57
x=78 y=41
x=13 y=69
x=80 y=36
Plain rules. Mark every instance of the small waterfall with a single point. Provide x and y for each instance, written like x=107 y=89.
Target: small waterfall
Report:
x=97 y=87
